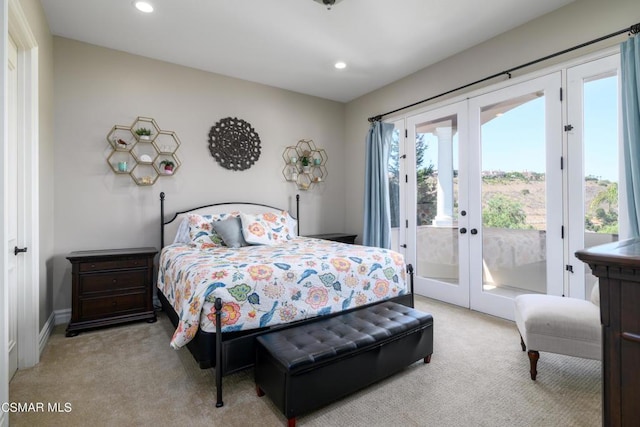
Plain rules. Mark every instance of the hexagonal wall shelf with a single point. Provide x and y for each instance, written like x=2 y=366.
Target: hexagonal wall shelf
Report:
x=143 y=151
x=305 y=175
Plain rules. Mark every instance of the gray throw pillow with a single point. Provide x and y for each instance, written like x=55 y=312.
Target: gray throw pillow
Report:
x=231 y=232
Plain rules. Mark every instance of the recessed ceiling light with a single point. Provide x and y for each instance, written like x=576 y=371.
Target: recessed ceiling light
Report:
x=340 y=65
x=143 y=6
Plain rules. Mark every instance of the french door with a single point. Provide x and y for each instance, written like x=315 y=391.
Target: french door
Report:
x=484 y=197
x=436 y=186
x=502 y=189
x=515 y=194
x=595 y=189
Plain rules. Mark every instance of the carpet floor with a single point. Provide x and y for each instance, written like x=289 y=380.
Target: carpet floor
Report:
x=478 y=376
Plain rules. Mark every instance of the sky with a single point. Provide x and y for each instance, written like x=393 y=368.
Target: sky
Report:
x=515 y=140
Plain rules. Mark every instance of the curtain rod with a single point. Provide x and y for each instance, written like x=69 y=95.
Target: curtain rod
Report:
x=634 y=29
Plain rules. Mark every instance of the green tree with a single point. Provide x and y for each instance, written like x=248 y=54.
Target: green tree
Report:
x=608 y=196
x=502 y=212
x=598 y=218
x=426 y=189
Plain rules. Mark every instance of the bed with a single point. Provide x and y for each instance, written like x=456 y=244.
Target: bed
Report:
x=229 y=272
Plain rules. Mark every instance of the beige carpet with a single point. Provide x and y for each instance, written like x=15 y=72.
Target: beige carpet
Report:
x=478 y=376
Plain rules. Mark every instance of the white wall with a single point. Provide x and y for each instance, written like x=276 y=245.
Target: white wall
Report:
x=571 y=25
x=96 y=88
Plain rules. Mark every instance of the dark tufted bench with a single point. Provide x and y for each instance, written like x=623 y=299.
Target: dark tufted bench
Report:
x=309 y=366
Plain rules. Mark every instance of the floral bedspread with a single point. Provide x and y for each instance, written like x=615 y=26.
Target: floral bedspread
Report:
x=268 y=285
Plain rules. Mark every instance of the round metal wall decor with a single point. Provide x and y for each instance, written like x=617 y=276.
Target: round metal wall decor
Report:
x=234 y=144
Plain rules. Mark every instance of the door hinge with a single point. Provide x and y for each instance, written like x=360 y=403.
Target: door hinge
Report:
x=562 y=232
x=403 y=246
x=569 y=268
x=560 y=94
x=406 y=133
x=561 y=162
x=406 y=178
x=568 y=128
x=406 y=223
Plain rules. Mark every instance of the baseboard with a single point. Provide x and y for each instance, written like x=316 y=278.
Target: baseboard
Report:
x=45 y=332
x=62 y=316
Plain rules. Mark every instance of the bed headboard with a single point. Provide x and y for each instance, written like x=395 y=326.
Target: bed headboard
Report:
x=169 y=227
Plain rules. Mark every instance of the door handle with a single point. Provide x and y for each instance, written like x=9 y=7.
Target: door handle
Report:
x=474 y=231
x=18 y=250
x=463 y=230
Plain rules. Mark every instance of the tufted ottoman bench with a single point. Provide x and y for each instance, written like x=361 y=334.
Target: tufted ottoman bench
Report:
x=306 y=367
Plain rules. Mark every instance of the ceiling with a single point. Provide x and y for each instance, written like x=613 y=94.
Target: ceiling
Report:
x=294 y=44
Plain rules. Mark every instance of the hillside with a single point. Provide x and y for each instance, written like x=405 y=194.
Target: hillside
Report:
x=531 y=196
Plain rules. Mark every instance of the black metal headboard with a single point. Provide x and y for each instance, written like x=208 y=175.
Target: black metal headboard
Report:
x=163 y=223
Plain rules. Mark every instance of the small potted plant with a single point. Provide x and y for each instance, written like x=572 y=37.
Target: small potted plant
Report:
x=143 y=133
x=305 y=160
x=167 y=166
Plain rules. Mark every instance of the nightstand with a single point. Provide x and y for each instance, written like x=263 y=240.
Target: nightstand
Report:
x=336 y=237
x=111 y=287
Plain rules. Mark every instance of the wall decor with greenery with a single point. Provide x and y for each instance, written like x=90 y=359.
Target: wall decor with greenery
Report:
x=305 y=164
x=143 y=151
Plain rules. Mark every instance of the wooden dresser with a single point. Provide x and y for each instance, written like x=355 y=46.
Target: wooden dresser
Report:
x=617 y=265
x=110 y=287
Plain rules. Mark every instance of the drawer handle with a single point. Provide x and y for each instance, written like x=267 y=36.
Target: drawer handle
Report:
x=115 y=280
x=114 y=303
x=93 y=266
x=631 y=337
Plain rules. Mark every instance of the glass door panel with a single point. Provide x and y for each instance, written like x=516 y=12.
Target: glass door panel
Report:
x=396 y=170
x=514 y=210
x=437 y=190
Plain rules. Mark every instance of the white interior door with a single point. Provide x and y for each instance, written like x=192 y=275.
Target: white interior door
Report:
x=436 y=184
x=515 y=194
x=593 y=173
x=12 y=214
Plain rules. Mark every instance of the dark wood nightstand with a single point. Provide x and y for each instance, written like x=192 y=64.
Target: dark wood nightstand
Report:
x=336 y=237
x=111 y=287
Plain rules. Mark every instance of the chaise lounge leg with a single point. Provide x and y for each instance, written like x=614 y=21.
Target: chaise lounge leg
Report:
x=522 y=344
x=533 y=362
x=427 y=359
x=259 y=391
x=291 y=422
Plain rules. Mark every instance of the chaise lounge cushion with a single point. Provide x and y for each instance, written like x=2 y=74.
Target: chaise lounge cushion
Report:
x=561 y=325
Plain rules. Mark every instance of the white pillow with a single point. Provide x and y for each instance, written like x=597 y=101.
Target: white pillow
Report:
x=182 y=235
x=265 y=229
x=292 y=223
